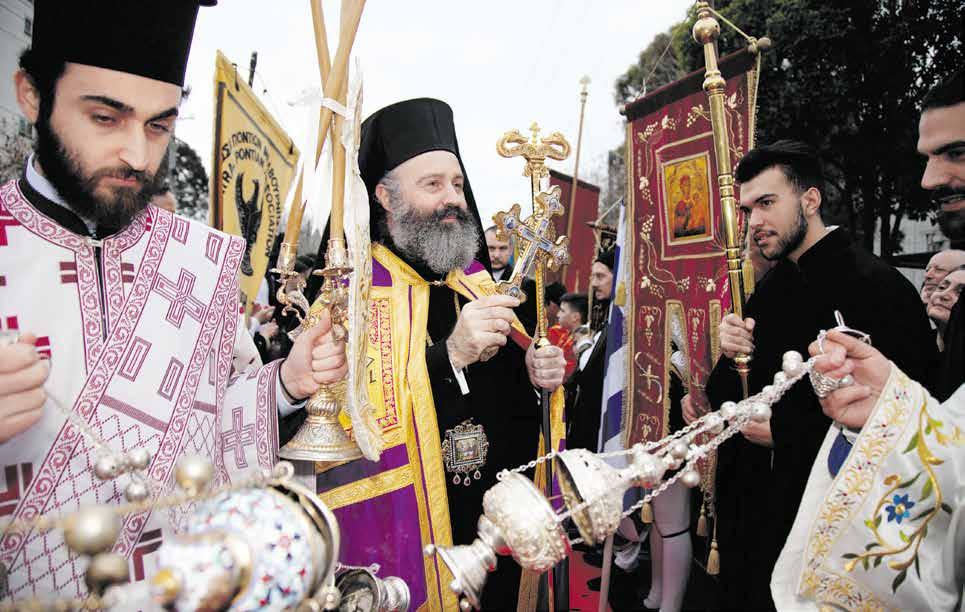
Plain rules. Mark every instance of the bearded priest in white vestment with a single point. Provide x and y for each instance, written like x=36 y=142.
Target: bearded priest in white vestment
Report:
x=125 y=315
x=882 y=522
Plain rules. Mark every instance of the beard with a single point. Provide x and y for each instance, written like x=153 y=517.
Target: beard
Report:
x=62 y=168
x=427 y=240
x=952 y=224
x=790 y=240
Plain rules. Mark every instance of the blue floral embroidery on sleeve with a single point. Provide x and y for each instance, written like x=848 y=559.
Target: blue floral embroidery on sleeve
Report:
x=899 y=510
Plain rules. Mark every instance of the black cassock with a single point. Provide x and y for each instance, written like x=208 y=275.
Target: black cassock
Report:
x=759 y=489
x=951 y=373
x=502 y=400
x=584 y=397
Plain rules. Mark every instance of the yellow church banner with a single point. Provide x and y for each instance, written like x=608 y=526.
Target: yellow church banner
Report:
x=254 y=163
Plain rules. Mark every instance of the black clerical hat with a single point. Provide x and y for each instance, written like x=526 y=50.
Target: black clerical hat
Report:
x=606 y=257
x=396 y=134
x=149 y=38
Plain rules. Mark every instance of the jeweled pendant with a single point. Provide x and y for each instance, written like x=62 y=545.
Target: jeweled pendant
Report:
x=476 y=475
x=456 y=480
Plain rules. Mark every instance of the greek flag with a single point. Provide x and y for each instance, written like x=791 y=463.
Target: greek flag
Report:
x=615 y=376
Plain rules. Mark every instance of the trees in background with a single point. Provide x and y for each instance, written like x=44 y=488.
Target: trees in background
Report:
x=846 y=77
x=189 y=182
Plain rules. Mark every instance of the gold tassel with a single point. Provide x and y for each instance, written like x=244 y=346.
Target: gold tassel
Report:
x=702 y=521
x=713 y=559
x=646 y=513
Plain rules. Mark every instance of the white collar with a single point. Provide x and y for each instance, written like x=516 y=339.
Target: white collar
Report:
x=44 y=187
x=40 y=183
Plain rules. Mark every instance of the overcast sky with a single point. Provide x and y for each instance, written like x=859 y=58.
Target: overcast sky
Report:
x=500 y=64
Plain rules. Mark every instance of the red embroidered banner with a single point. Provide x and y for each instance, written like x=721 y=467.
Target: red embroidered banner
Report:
x=678 y=289
x=573 y=223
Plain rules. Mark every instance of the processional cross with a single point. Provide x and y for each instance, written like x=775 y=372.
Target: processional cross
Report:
x=539 y=246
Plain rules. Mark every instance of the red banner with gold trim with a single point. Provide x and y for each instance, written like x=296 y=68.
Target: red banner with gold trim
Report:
x=573 y=224
x=678 y=291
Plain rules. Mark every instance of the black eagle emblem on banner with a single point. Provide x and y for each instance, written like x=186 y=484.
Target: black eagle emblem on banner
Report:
x=249 y=218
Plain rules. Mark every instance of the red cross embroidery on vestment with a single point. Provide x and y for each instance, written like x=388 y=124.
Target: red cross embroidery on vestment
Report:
x=179 y=295
x=238 y=436
x=148 y=543
x=127 y=272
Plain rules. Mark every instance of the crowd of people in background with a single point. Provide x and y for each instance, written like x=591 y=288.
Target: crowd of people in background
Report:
x=803 y=269
x=147 y=362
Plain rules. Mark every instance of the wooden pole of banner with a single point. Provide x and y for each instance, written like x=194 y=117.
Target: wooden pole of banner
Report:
x=576 y=165
x=604 y=604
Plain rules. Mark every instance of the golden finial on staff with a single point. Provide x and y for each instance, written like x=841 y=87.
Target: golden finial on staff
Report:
x=537 y=232
x=534 y=150
x=706 y=31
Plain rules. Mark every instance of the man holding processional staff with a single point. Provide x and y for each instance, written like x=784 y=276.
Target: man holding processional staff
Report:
x=141 y=368
x=444 y=356
x=819 y=274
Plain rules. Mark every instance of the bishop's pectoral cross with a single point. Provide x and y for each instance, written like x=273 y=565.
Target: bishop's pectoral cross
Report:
x=536 y=234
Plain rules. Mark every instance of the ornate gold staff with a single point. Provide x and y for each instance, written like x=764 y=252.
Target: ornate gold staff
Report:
x=535 y=239
x=706 y=31
x=321 y=437
x=536 y=233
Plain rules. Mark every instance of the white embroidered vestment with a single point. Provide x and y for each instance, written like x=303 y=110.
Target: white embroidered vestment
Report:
x=888 y=531
x=141 y=329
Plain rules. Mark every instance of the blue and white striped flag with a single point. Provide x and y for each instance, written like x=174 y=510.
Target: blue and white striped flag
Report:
x=614 y=389
x=615 y=376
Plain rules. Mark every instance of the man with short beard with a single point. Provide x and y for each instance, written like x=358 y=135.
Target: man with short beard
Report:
x=500 y=252
x=452 y=375
x=941 y=139
x=115 y=311
x=890 y=416
x=585 y=388
x=819 y=270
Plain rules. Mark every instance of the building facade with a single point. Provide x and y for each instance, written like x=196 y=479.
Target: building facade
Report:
x=16 y=24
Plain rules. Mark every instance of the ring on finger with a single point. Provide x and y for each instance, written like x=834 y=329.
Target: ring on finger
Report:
x=488 y=353
x=824 y=385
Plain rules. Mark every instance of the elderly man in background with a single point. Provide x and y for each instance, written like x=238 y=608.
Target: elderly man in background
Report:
x=943 y=300
x=939 y=266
